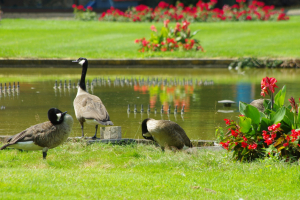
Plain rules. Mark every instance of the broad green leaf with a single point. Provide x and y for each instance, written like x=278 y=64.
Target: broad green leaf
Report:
x=262 y=115
x=279 y=115
x=245 y=124
x=242 y=107
x=253 y=113
x=265 y=123
x=280 y=96
x=164 y=32
x=194 y=33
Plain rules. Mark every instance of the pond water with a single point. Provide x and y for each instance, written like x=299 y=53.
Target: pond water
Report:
x=198 y=89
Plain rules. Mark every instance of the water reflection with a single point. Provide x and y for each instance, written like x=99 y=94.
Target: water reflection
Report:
x=163 y=93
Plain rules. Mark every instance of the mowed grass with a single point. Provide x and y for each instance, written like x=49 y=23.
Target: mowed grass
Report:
x=101 y=171
x=37 y=38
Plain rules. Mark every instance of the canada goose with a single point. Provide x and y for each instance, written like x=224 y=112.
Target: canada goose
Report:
x=43 y=136
x=165 y=133
x=89 y=108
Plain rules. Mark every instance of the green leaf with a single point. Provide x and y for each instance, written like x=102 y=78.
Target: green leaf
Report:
x=279 y=115
x=265 y=123
x=194 y=33
x=280 y=96
x=253 y=113
x=245 y=124
x=164 y=32
x=242 y=107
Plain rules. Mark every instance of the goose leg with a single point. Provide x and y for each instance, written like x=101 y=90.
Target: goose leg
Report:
x=81 y=123
x=95 y=137
x=45 y=149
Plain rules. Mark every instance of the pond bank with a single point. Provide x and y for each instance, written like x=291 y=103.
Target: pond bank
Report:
x=119 y=63
x=196 y=143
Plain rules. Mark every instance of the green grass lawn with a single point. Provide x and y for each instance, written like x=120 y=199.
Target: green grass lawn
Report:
x=100 y=171
x=29 y=38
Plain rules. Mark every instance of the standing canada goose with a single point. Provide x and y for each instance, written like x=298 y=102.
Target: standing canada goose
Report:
x=43 y=136
x=89 y=108
x=165 y=133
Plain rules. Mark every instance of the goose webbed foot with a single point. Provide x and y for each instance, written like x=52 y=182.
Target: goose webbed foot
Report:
x=44 y=155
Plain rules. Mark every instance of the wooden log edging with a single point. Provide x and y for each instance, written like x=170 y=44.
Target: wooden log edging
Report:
x=196 y=143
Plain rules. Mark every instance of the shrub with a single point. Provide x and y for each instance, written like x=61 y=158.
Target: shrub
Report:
x=273 y=132
x=81 y=13
x=179 y=38
x=202 y=12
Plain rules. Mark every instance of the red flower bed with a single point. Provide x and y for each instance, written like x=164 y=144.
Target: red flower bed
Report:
x=256 y=11
x=179 y=38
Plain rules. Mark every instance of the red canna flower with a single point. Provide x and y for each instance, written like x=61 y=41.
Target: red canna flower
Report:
x=294 y=105
x=74 y=6
x=227 y=121
x=244 y=144
x=89 y=8
x=245 y=139
x=269 y=141
x=235 y=133
x=153 y=28
x=225 y=144
x=268 y=84
x=286 y=144
x=166 y=22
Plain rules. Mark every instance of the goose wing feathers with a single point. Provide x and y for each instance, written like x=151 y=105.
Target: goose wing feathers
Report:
x=34 y=133
x=168 y=129
x=91 y=107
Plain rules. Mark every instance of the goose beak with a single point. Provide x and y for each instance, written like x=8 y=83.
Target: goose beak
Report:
x=74 y=60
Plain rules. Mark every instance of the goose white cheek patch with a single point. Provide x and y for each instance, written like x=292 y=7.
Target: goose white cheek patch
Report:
x=82 y=62
x=58 y=116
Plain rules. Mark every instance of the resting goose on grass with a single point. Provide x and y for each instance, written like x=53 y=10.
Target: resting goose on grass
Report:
x=165 y=133
x=89 y=108
x=43 y=136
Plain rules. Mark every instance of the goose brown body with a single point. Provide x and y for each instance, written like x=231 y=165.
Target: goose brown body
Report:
x=165 y=133
x=42 y=136
x=90 y=107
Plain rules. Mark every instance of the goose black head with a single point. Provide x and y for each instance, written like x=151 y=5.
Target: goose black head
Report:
x=81 y=61
x=145 y=131
x=56 y=116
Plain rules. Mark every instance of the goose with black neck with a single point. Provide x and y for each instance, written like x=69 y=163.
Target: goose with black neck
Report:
x=89 y=108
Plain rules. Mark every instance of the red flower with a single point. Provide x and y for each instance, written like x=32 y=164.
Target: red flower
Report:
x=227 y=121
x=294 y=105
x=80 y=7
x=274 y=127
x=166 y=22
x=225 y=144
x=141 y=8
x=153 y=28
x=245 y=139
x=163 y=5
x=269 y=141
x=268 y=84
x=89 y=8
x=74 y=6
x=286 y=144
x=254 y=146
x=244 y=144
x=248 y=17
x=235 y=133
